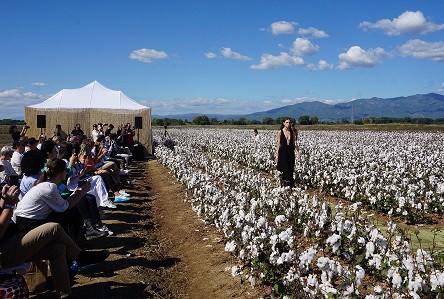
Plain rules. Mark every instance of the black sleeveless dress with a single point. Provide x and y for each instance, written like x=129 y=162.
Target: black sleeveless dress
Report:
x=286 y=159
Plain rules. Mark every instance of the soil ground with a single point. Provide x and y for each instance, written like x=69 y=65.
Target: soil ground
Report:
x=160 y=248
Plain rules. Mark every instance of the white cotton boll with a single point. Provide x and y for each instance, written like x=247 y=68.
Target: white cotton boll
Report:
x=334 y=241
x=252 y=280
x=230 y=246
x=261 y=222
x=291 y=275
x=235 y=270
x=360 y=273
x=396 y=280
x=436 y=279
x=378 y=289
x=415 y=283
x=322 y=262
x=280 y=219
x=370 y=249
x=414 y=295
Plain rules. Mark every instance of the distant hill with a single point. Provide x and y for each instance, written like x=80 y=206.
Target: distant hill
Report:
x=421 y=105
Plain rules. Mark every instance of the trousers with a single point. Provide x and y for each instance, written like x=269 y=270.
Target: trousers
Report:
x=45 y=242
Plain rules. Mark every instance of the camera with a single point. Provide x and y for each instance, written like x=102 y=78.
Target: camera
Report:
x=27 y=127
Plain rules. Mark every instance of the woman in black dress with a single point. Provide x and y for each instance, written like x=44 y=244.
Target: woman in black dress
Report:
x=285 y=153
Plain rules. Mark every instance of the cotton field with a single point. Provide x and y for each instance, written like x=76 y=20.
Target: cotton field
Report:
x=296 y=242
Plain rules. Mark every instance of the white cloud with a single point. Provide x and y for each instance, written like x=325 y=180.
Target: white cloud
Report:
x=39 y=84
x=312 y=32
x=282 y=27
x=407 y=22
x=298 y=100
x=302 y=47
x=441 y=90
x=147 y=55
x=424 y=50
x=13 y=102
x=230 y=54
x=210 y=55
x=357 y=57
x=321 y=66
x=269 y=61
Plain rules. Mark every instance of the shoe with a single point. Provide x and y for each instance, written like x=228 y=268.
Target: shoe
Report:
x=108 y=204
x=123 y=172
x=104 y=228
x=91 y=231
x=124 y=193
x=90 y=258
x=121 y=199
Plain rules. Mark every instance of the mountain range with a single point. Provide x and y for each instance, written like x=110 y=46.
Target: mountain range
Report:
x=429 y=105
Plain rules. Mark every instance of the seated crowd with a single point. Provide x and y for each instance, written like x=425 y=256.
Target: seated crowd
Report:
x=54 y=194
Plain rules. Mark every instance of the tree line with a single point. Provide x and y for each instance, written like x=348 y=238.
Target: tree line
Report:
x=302 y=120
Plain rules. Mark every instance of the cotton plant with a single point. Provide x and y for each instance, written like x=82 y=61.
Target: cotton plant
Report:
x=293 y=240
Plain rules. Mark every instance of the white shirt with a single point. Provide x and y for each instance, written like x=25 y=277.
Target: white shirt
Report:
x=94 y=135
x=16 y=162
x=40 y=201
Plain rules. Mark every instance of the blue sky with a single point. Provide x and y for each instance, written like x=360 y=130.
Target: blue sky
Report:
x=227 y=57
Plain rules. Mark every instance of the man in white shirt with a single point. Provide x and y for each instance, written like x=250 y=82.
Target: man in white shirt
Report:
x=17 y=155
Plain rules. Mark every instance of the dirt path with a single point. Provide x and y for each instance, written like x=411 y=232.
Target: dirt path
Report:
x=160 y=248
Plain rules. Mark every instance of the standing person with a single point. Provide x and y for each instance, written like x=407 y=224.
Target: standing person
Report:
x=77 y=131
x=94 y=133
x=285 y=153
x=255 y=135
x=128 y=136
x=60 y=133
x=15 y=134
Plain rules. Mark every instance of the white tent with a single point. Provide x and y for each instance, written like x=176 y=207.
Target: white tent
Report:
x=93 y=95
x=87 y=105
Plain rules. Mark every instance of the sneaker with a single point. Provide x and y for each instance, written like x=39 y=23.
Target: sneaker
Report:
x=92 y=232
x=108 y=204
x=104 y=228
x=121 y=199
x=124 y=193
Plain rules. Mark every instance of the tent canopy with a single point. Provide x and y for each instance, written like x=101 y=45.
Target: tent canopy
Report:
x=93 y=95
x=90 y=104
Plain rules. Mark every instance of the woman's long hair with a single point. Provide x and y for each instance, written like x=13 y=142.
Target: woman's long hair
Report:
x=66 y=150
x=52 y=169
